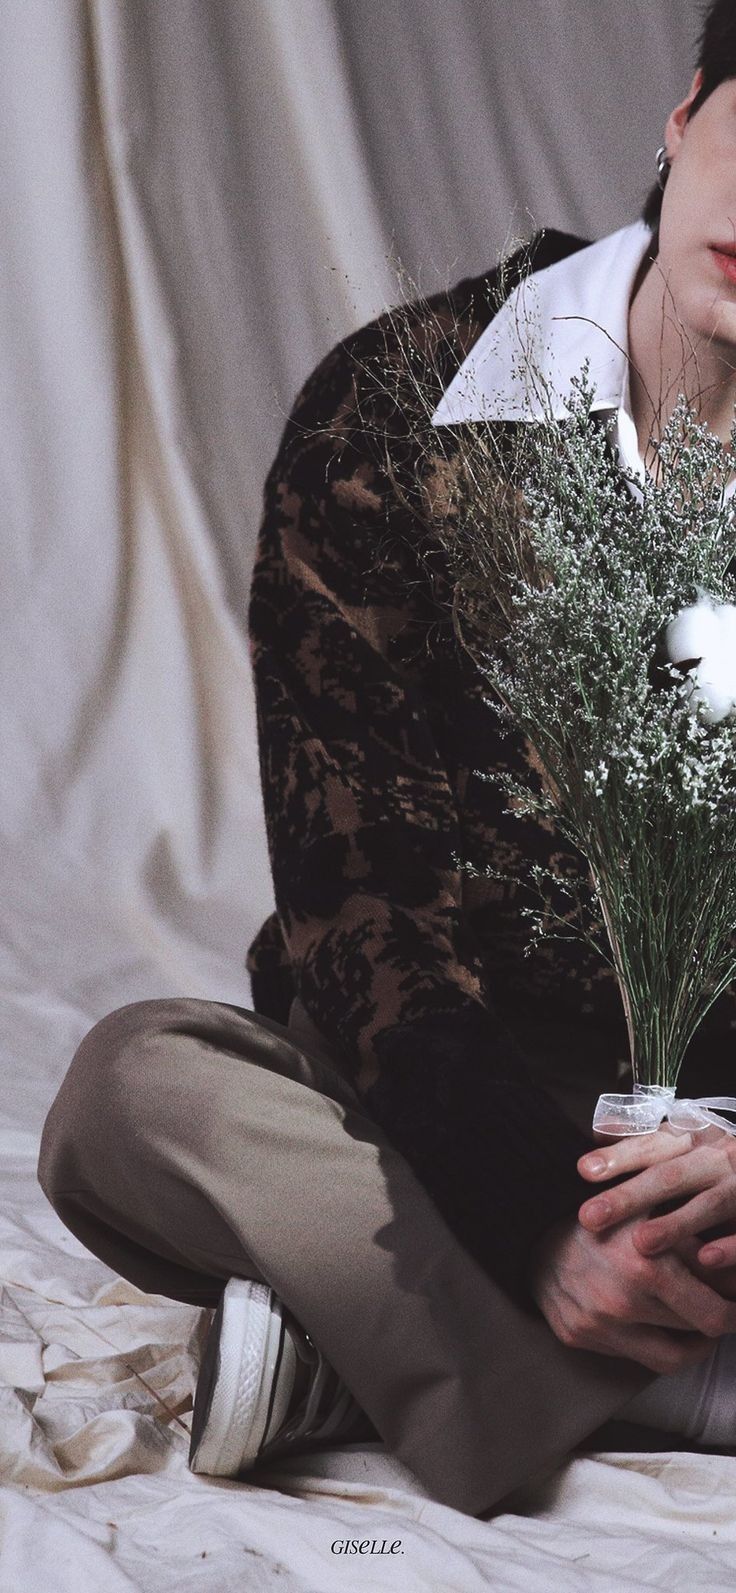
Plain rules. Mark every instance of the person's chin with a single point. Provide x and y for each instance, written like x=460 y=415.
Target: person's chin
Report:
x=709 y=317
x=724 y=330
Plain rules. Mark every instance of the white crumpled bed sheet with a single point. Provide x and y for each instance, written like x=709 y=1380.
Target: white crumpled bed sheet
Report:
x=96 y=1381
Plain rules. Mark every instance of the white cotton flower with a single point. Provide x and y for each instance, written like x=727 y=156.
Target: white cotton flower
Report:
x=706 y=631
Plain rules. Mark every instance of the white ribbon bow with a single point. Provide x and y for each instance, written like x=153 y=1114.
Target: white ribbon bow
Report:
x=650 y=1104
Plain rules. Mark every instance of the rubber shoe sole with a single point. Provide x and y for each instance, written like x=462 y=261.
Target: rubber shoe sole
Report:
x=238 y=1383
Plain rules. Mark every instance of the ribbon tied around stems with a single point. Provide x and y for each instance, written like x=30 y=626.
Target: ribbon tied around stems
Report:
x=650 y=1105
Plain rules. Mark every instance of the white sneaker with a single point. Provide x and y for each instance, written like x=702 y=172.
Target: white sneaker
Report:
x=263 y=1388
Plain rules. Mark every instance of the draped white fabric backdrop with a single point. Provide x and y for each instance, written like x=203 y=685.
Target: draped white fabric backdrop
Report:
x=196 y=200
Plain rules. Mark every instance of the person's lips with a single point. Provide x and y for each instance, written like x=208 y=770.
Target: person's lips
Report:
x=725 y=258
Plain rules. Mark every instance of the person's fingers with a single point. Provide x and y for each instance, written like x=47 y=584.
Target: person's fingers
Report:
x=695 y=1303
x=667 y=1180
x=631 y=1154
x=703 y=1211
x=718 y=1252
x=652 y=1312
x=658 y=1350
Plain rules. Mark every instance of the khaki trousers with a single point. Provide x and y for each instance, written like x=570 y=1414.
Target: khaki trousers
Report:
x=192 y=1141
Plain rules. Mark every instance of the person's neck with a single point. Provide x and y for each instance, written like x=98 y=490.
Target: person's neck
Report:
x=664 y=363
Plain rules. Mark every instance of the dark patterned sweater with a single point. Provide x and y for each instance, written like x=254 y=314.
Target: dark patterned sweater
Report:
x=372 y=723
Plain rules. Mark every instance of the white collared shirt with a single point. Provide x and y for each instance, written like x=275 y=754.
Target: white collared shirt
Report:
x=521 y=367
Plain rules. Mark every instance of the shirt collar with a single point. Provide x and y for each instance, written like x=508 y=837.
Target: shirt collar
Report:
x=522 y=365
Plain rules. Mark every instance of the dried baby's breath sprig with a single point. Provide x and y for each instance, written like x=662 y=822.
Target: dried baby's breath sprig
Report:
x=645 y=789
x=562 y=581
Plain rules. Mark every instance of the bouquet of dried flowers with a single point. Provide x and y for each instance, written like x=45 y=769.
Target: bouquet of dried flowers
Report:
x=603 y=623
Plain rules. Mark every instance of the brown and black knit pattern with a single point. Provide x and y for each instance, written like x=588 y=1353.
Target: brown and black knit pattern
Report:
x=371 y=723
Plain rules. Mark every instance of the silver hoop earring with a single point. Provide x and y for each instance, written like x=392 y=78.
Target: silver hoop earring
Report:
x=663 y=166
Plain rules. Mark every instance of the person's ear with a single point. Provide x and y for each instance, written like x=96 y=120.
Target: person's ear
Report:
x=677 y=122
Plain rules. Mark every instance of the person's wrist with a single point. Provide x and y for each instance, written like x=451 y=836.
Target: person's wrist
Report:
x=540 y=1260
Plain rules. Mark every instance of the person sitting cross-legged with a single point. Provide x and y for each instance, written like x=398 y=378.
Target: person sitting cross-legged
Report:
x=380 y=1178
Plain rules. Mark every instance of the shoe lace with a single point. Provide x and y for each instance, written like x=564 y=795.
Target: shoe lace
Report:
x=326 y=1410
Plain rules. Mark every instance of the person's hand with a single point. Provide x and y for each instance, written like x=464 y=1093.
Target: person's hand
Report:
x=599 y=1292
x=697 y=1171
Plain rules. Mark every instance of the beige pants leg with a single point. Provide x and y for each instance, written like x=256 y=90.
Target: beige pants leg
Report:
x=192 y=1140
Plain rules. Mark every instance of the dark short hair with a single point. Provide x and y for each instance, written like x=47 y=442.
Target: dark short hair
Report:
x=717 y=61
